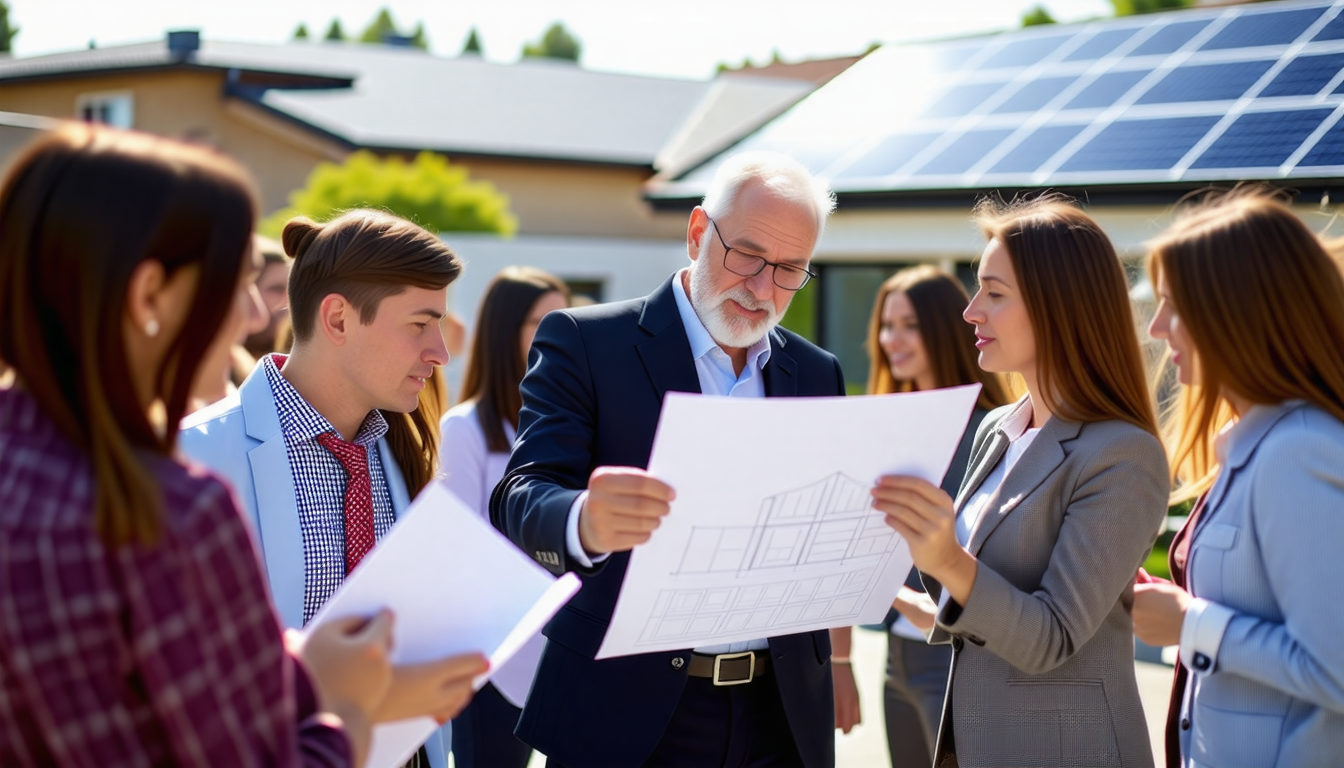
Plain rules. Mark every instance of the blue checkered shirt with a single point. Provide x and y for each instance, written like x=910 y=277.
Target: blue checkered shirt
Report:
x=319 y=487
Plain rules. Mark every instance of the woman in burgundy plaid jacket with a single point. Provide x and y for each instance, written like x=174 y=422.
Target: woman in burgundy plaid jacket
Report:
x=135 y=627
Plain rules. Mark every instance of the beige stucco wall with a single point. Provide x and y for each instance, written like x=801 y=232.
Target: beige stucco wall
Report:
x=187 y=105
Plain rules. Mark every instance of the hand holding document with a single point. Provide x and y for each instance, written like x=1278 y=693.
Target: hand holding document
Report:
x=772 y=530
x=455 y=585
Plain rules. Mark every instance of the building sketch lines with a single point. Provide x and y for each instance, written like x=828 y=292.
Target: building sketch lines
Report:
x=760 y=609
x=830 y=520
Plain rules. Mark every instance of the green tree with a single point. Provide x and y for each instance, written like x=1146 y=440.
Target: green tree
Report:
x=335 y=32
x=383 y=27
x=428 y=190
x=418 y=38
x=556 y=43
x=301 y=31
x=7 y=32
x=1135 y=7
x=1036 y=16
x=473 y=44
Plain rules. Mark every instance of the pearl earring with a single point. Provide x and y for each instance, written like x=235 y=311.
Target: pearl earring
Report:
x=152 y=328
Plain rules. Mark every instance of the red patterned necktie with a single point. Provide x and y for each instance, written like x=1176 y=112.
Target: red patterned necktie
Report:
x=359 y=535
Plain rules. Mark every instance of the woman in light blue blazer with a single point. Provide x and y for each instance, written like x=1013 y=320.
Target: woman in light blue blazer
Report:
x=1252 y=307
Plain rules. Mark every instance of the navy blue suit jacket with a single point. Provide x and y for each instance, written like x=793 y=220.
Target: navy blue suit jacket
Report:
x=591 y=397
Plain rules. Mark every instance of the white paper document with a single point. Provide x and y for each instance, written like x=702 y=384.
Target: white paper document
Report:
x=772 y=531
x=455 y=585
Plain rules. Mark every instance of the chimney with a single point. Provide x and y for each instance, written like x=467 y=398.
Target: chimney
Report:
x=183 y=43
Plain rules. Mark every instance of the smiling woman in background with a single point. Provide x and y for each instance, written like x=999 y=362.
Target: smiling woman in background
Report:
x=917 y=341
x=1034 y=563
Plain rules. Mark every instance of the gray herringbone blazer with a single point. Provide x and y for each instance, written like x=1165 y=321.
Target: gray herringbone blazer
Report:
x=1043 y=671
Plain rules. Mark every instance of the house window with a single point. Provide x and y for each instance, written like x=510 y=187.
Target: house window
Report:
x=114 y=108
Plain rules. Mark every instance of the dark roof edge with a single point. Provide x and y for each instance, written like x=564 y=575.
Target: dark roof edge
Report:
x=328 y=81
x=1163 y=194
x=517 y=157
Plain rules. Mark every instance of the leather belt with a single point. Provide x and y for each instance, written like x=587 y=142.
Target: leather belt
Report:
x=730 y=668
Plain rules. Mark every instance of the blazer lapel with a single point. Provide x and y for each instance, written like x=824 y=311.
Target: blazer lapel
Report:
x=780 y=380
x=666 y=354
x=277 y=510
x=1241 y=444
x=396 y=484
x=1041 y=458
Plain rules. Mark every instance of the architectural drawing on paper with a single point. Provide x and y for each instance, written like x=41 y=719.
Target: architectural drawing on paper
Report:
x=829 y=524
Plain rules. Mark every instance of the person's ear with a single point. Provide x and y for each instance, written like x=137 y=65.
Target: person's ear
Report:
x=144 y=310
x=334 y=315
x=696 y=230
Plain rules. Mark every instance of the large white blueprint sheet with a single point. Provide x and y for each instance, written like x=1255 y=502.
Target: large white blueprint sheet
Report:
x=772 y=531
x=455 y=585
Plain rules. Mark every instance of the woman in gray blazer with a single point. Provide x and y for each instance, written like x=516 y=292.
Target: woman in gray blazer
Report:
x=1252 y=308
x=1034 y=562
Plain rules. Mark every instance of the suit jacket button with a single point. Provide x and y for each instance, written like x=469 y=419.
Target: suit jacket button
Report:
x=1185 y=723
x=1202 y=662
x=678 y=662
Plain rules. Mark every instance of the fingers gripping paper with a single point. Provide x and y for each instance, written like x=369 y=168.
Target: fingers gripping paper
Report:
x=455 y=585
x=772 y=531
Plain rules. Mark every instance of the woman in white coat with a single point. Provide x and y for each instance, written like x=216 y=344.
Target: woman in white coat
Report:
x=474 y=450
x=1252 y=307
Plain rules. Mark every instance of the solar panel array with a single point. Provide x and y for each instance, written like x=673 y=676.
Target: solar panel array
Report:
x=1243 y=92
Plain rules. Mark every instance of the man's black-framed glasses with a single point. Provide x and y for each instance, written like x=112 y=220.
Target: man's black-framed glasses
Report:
x=786 y=276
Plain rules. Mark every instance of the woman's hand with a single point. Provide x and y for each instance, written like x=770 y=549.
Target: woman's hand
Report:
x=847 y=714
x=439 y=689
x=1159 y=612
x=917 y=607
x=347 y=660
x=922 y=513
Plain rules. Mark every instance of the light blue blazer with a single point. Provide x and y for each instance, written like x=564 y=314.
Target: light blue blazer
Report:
x=239 y=439
x=1264 y=638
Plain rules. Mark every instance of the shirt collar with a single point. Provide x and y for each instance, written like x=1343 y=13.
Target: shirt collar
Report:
x=301 y=420
x=1018 y=421
x=698 y=335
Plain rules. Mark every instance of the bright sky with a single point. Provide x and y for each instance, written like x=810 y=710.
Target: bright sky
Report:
x=685 y=38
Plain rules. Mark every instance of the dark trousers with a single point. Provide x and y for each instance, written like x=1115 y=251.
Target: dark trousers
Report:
x=734 y=726
x=913 y=698
x=483 y=733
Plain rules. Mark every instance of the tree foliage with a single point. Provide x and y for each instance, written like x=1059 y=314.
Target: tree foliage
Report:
x=1036 y=16
x=428 y=190
x=301 y=31
x=556 y=43
x=335 y=32
x=1135 y=7
x=384 y=27
x=473 y=44
x=7 y=31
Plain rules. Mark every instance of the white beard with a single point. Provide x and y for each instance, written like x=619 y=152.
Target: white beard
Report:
x=729 y=330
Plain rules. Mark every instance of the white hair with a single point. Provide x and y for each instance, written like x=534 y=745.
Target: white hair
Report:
x=780 y=173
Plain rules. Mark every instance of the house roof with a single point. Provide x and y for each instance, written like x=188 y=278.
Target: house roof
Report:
x=1135 y=108
x=405 y=99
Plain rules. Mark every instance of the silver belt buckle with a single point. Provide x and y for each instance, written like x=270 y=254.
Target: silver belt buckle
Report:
x=751 y=667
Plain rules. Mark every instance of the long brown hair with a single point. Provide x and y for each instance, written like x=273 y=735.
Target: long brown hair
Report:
x=949 y=341
x=496 y=366
x=1088 y=363
x=367 y=256
x=80 y=210
x=1263 y=303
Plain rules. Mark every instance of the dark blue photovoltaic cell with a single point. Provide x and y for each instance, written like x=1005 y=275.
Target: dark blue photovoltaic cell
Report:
x=1037 y=148
x=1261 y=139
x=1274 y=28
x=1305 y=75
x=1104 y=91
x=889 y=155
x=1033 y=95
x=1329 y=150
x=1020 y=53
x=1333 y=29
x=1100 y=44
x=1135 y=145
x=1170 y=37
x=961 y=100
x=969 y=149
x=1210 y=82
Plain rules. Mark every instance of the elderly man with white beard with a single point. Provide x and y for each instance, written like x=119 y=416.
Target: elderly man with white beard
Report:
x=576 y=495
